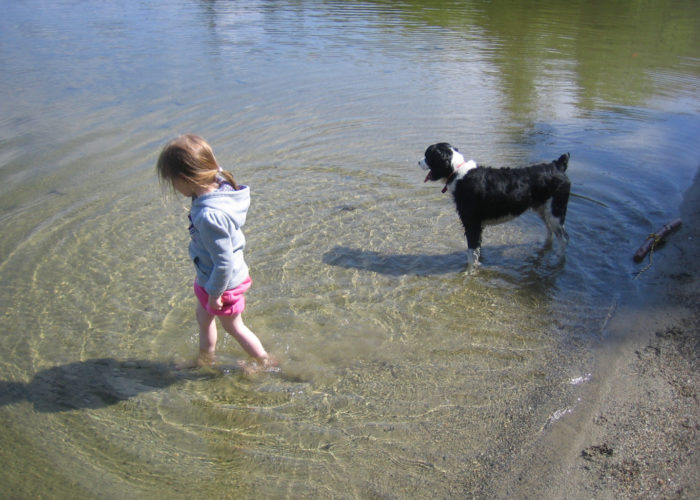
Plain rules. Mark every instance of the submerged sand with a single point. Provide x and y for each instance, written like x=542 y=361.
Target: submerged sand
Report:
x=635 y=432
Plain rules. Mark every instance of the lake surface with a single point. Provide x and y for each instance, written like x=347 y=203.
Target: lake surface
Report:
x=401 y=376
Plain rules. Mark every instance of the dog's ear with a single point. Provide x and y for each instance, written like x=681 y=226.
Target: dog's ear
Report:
x=439 y=154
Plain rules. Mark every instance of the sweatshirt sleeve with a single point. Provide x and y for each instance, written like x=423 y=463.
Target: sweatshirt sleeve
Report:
x=215 y=233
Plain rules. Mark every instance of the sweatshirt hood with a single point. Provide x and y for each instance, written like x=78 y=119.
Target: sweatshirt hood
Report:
x=233 y=203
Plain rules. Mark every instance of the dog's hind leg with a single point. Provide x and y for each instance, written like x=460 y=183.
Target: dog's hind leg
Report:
x=559 y=203
x=554 y=225
x=546 y=216
x=560 y=233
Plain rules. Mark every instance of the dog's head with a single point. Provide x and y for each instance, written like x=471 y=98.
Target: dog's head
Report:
x=442 y=160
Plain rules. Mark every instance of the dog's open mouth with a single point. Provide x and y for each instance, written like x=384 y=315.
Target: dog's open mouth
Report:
x=428 y=177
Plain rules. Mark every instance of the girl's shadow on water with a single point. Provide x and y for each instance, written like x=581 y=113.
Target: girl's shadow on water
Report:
x=95 y=383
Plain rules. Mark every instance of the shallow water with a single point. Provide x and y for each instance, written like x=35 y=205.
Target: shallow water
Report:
x=400 y=375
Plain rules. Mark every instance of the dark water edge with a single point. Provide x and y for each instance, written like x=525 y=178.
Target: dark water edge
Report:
x=632 y=433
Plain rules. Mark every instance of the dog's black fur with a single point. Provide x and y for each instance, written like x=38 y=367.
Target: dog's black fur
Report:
x=485 y=195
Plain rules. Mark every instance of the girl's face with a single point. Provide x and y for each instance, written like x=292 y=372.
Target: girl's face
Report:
x=183 y=187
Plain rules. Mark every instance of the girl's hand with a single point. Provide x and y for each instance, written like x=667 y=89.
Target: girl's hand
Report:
x=215 y=303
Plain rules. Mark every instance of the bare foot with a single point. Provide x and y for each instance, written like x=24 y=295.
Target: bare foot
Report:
x=251 y=367
x=204 y=360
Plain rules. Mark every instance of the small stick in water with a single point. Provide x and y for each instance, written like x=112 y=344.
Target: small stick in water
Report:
x=654 y=239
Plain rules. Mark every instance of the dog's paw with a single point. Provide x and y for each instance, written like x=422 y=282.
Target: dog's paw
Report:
x=471 y=268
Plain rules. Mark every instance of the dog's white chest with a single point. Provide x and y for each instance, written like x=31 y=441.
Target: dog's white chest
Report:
x=461 y=171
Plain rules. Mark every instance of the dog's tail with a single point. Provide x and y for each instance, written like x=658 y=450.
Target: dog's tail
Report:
x=562 y=162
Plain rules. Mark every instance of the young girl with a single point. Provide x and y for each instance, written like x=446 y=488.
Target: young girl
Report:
x=219 y=208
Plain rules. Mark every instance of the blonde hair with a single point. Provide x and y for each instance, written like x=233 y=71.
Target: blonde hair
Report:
x=190 y=158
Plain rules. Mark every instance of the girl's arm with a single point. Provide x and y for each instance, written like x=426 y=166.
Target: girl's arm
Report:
x=215 y=303
x=214 y=232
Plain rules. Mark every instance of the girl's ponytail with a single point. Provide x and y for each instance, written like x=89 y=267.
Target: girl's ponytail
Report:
x=228 y=177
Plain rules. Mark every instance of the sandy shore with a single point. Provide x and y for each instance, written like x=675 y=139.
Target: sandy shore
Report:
x=635 y=432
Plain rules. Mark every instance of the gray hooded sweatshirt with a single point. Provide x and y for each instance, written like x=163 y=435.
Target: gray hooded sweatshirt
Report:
x=217 y=241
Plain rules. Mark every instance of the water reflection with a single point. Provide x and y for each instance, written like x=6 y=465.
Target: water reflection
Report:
x=571 y=54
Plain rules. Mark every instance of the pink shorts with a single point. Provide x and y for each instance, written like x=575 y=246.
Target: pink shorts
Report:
x=234 y=300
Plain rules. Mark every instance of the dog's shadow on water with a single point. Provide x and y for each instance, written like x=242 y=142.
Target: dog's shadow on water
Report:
x=535 y=268
x=396 y=264
x=91 y=384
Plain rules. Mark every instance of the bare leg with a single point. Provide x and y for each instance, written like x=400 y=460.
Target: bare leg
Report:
x=247 y=339
x=207 y=336
x=250 y=343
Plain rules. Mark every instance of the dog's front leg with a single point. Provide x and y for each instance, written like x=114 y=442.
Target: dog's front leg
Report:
x=473 y=234
x=472 y=259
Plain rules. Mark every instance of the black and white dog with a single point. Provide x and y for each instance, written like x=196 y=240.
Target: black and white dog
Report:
x=486 y=196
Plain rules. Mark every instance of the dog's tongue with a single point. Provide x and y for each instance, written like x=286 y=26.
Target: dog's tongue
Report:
x=428 y=177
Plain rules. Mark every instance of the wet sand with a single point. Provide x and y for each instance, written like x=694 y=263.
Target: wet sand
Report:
x=635 y=431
